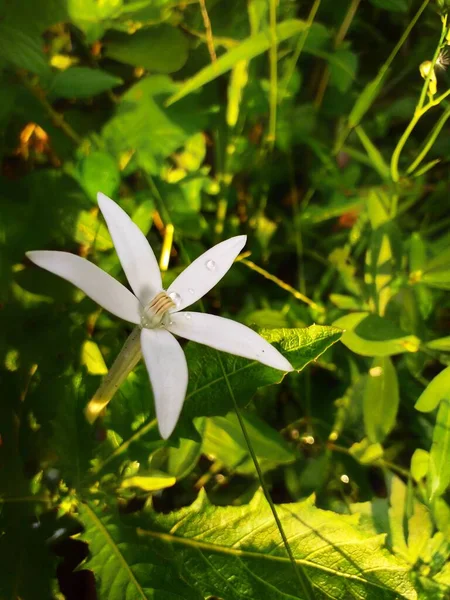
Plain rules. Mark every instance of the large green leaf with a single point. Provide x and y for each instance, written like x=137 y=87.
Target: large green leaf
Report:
x=338 y=556
x=208 y=393
x=82 y=82
x=131 y=417
x=439 y=473
x=223 y=439
x=246 y=50
x=162 y=49
x=23 y=50
x=436 y=390
x=126 y=566
x=142 y=125
x=371 y=335
x=381 y=399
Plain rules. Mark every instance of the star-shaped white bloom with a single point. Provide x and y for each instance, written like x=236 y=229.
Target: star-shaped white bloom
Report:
x=159 y=313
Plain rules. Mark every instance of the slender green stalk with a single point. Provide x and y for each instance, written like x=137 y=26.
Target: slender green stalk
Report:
x=429 y=143
x=339 y=38
x=273 y=58
x=433 y=63
x=370 y=92
x=298 y=50
x=420 y=108
x=308 y=594
x=402 y=141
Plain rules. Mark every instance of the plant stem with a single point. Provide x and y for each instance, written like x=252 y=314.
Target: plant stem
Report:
x=340 y=35
x=298 y=50
x=273 y=58
x=308 y=594
x=56 y=117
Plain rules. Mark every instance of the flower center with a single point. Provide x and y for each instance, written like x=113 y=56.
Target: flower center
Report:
x=156 y=312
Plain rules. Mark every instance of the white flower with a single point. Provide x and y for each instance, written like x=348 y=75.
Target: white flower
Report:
x=159 y=313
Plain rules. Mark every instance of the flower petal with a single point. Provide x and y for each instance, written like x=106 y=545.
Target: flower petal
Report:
x=206 y=270
x=228 y=336
x=93 y=281
x=167 y=368
x=133 y=249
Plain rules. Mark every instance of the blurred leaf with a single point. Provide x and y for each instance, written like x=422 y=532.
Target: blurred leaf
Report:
x=371 y=335
x=366 y=452
x=142 y=125
x=343 y=64
x=442 y=344
x=124 y=564
x=382 y=261
x=90 y=15
x=223 y=439
x=181 y=460
x=420 y=461
x=392 y=5
x=378 y=162
x=149 y=483
x=245 y=543
x=98 y=172
x=92 y=358
x=436 y=273
x=436 y=390
x=23 y=50
x=162 y=49
x=417 y=253
x=381 y=399
x=420 y=529
x=439 y=473
x=91 y=231
x=82 y=82
x=246 y=50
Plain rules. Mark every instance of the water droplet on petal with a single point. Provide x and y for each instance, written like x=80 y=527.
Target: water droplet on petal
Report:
x=187 y=316
x=176 y=298
x=210 y=265
x=190 y=290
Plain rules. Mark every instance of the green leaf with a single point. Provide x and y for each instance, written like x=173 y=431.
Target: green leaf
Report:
x=364 y=101
x=371 y=335
x=82 y=82
x=436 y=390
x=92 y=358
x=90 y=231
x=436 y=272
x=343 y=65
x=92 y=16
x=124 y=564
x=23 y=50
x=338 y=556
x=420 y=529
x=417 y=253
x=375 y=156
x=223 y=439
x=162 y=49
x=442 y=344
x=98 y=171
x=365 y=452
x=382 y=261
x=149 y=483
x=381 y=399
x=246 y=50
x=420 y=461
x=439 y=473
x=391 y=5
x=143 y=126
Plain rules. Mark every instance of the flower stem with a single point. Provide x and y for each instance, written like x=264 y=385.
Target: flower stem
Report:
x=125 y=362
x=305 y=586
